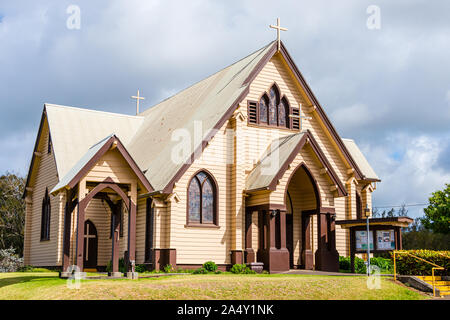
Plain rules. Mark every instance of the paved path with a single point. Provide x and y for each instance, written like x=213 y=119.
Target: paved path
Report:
x=325 y=273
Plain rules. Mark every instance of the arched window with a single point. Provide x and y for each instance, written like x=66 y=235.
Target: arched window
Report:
x=272 y=109
x=263 y=107
x=274 y=100
x=283 y=112
x=202 y=199
x=45 y=217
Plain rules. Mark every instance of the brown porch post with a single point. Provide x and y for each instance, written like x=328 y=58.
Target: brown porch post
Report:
x=132 y=234
x=249 y=252
x=307 y=254
x=115 y=237
x=270 y=230
x=398 y=238
x=327 y=258
x=80 y=236
x=261 y=240
x=66 y=241
x=283 y=229
x=352 y=249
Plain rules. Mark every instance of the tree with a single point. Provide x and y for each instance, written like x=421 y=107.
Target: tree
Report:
x=12 y=212
x=437 y=214
x=417 y=237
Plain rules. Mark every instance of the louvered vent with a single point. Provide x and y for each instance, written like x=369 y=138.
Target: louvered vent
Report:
x=295 y=121
x=252 y=112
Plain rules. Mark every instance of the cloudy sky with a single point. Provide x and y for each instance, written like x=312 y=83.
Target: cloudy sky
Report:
x=388 y=87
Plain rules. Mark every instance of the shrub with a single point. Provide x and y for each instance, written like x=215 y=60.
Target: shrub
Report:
x=345 y=264
x=200 y=271
x=408 y=265
x=218 y=272
x=382 y=263
x=140 y=268
x=238 y=268
x=168 y=269
x=121 y=266
x=241 y=269
x=210 y=266
x=247 y=270
x=9 y=261
x=26 y=269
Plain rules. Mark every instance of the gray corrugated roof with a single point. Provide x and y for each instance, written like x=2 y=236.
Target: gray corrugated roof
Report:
x=360 y=159
x=206 y=101
x=74 y=131
x=271 y=161
x=80 y=164
x=148 y=136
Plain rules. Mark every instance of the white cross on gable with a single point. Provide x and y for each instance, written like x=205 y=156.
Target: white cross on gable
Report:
x=279 y=28
x=137 y=101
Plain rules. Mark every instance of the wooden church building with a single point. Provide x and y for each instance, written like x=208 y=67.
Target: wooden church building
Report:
x=241 y=167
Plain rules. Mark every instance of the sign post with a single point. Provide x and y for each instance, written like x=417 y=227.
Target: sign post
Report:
x=367 y=214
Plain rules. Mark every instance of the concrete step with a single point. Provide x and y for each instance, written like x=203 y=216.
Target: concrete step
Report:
x=430 y=278
x=443 y=288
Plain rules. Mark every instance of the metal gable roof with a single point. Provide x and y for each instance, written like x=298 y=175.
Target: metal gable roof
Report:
x=206 y=101
x=358 y=156
x=75 y=130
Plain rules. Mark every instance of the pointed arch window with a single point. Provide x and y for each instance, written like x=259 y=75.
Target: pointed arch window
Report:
x=274 y=100
x=45 y=217
x=202 y=200
x=263 y=108
x=272 y=109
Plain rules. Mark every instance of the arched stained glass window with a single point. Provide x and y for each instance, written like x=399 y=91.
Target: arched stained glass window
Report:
x=274 y=100
x=272 y=110
x=283 y=112
x=202 y=199
x=45 y=217
x=263 y=104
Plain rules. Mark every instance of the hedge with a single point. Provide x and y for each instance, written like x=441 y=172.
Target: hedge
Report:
x=408 y=265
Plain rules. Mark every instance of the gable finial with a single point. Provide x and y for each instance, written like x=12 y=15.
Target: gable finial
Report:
x=137 y=101
x=279 y=28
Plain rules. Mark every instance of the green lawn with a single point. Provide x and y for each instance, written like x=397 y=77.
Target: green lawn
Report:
x=220 y=286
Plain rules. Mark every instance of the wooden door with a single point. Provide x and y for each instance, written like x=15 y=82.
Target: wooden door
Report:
x=90 y=245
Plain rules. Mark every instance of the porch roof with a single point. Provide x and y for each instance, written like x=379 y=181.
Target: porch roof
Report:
x=88 y=160
x=361 y=161
x=391 y=221
x=279 y=155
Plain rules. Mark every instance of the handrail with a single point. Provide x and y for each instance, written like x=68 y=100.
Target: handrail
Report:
x=444 y=255
x=435 y=267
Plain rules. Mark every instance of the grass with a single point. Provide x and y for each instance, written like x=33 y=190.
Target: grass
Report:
x=191 y=287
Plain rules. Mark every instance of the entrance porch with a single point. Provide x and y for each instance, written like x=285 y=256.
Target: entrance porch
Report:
x=297 y=235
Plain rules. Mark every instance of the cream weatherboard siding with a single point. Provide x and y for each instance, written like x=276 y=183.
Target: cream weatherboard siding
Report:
x=196 y=245
x=46 y=252
x=229 y=157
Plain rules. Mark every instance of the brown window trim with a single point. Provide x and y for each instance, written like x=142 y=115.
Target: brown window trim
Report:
x=215 y=223
x=204 y=225
x=45 y=217
x=289 y=123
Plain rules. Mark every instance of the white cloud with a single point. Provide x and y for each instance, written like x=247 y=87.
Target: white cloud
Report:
x=412 y=178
